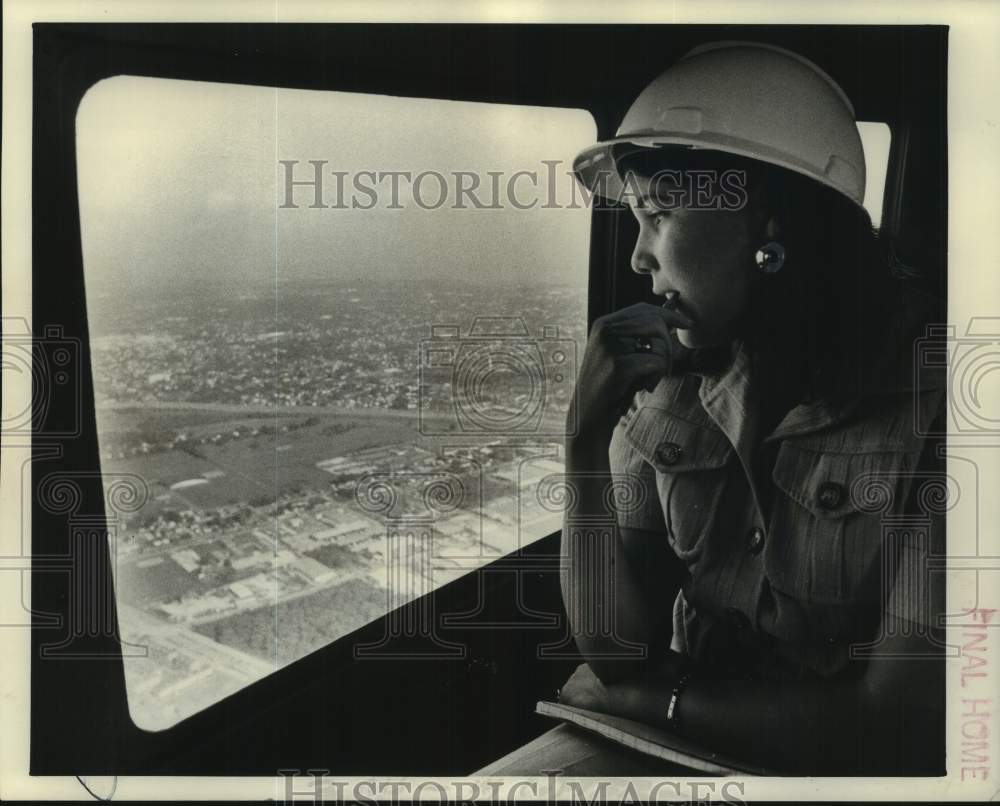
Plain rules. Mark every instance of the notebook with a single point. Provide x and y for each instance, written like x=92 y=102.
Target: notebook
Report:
x=650 y=740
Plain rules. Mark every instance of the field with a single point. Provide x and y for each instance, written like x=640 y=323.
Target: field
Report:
x=253 y=469
x=138 y=586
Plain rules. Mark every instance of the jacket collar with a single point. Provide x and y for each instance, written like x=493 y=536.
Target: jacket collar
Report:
x=893 y=366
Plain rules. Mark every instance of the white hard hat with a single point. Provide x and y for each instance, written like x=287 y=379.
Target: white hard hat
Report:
x=746 y=98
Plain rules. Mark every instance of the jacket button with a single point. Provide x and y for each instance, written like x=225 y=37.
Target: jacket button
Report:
x=737 y=618
x=830 y=495
x=755 y=540
x=668 y=452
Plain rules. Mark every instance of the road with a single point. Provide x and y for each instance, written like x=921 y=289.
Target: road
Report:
x=242 y=410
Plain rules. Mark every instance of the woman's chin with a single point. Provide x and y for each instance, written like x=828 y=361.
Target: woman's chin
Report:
x=691 y=339
x=695 y=339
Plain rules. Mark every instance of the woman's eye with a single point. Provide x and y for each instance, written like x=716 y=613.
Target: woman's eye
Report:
x=653 y=215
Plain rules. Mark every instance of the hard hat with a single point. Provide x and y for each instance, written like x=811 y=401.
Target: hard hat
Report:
x=746 y=98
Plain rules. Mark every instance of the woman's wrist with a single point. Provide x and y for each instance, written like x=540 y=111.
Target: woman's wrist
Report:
x=674 y=717
x=647 y=699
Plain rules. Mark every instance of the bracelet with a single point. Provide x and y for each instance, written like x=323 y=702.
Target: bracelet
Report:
x=673 y=715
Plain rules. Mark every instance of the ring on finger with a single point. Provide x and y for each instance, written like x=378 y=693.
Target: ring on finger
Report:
x=643 y=344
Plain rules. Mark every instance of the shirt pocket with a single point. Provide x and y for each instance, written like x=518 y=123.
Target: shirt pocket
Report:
x=689 y=461
x=829 y=513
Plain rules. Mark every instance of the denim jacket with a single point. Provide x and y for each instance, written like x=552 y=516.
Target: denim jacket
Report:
x=782 y=584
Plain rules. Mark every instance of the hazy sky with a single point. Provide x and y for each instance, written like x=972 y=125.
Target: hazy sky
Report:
x=181 y=180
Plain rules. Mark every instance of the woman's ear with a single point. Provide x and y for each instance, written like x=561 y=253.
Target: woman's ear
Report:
x=762 y=221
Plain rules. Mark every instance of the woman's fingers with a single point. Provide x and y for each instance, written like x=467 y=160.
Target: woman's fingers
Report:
x=671 y=317
x=627 y=350
x=640 y=344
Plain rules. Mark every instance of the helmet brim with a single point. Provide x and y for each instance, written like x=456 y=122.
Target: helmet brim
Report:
x=596 y=167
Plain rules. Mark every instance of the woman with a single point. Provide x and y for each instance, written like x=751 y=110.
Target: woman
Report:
x=754 y=597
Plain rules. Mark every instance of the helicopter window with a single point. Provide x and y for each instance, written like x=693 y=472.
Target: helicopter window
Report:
x=333 y=340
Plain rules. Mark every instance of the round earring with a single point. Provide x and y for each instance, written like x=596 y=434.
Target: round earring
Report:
x=770 y=257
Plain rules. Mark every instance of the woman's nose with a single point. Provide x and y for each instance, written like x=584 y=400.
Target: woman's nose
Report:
x=643 y=261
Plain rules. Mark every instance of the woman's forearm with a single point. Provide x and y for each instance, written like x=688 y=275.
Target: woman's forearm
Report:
x=607 y=613
x=788 y=727
x=807 y=727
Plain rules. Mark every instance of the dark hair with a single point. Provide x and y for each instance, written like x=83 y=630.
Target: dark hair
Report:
x=814 y=317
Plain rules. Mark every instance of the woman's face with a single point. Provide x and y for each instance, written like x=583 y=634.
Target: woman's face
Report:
x=704 y=254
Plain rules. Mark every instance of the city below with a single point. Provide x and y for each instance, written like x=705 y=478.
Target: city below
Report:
x=314 y=460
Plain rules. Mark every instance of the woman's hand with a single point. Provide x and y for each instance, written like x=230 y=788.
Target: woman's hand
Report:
x=627 y=350
x=644 y=699
x=584 y=689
